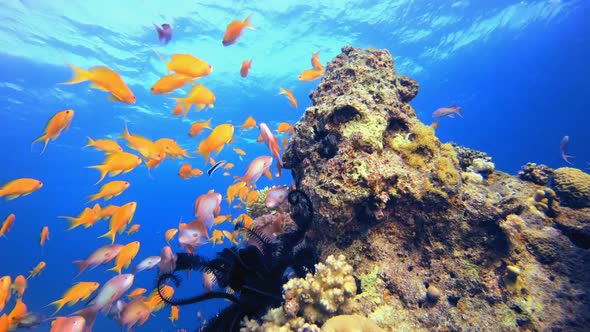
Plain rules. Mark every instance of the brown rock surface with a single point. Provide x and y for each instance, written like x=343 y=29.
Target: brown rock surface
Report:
x=388 y=193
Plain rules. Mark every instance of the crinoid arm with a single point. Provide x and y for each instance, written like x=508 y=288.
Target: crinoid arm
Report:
x=189 y=300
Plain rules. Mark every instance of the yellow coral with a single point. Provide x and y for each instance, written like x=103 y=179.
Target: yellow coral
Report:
x=572 y=186
x=350 y=323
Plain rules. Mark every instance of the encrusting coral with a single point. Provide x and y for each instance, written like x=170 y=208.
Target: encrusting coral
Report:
x=350 y=323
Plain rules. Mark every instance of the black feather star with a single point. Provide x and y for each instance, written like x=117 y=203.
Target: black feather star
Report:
x=255 y=273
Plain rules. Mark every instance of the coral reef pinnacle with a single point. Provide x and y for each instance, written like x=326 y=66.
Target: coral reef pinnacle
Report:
x=438 y=220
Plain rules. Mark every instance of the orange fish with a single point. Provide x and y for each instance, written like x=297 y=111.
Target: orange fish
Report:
x=87 y=217
x=289 y=96
x=217 y=139
x=171 y=148
x=252 y=196
x=434 y=125
x=284 y=127
x=169 y=234
x=4 y=325
x=186 y=171
x=284 y=142
x=59 y=122
x=108 y=211
x=169 y=83
x=246 y=64
x=310 y=75
x=239 y=151
x=136 y=293
x=228 y=166
x=232 y=237
x=116 y=163
x=173 y=314
x=144 y=146
x=199 y=96
x=216 y=237
x=19 y=187
x=105 y=145
x=103 y=78
x=16 y=315
x=78 y=292
x=19 y=286
x=186 y=65
x=255 y=169
x=125 y=256
x=120 y=219
x=36 y=270
x=177 y=110
x=109 y=190
x=7 y=225
x=154 y=301
x=44 y=235
x=197 y=127
x=315 y=62
x=249 y=123
x=133 y=229
x=5 y=286
x=234 y=30
x=135 y=312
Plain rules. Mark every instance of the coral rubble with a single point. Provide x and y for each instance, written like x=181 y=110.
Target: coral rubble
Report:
x=458 y=245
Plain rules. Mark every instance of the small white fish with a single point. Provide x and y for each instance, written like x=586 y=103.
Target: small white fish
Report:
x=147 y=263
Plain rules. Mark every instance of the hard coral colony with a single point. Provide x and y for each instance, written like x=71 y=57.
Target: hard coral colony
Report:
x=414 y=234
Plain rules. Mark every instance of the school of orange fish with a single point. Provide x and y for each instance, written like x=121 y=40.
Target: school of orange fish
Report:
x=182 y=69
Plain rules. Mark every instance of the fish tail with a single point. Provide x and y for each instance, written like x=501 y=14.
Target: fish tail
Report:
x=247 y=23
x=110 y=234
x=458 y=111
x=161 y=58
x=81 y=265
x=125 y=133
x=208 y=123
x=93 y=198
x=43 y=138
x=115 y=269
x=59 y=304
x=282 y=91
x=89 y=315
x=103 y=171
x=79 y=75
x=89 y=142
x=183 y=105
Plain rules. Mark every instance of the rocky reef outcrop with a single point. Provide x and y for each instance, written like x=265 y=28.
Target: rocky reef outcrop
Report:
x=440 y=240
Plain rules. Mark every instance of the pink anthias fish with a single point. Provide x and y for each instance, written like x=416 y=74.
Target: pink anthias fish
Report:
x=147 y=263
x=167 y=262
x=275 y=196
x=563 y=149
x=449 y=111
x=69 y=324
x=110 y=292
x=164 y=33
x=191 y=235
x=257 y=167
x=272 y=143
x=102 y=255
x=207 y=207
x=135 y=312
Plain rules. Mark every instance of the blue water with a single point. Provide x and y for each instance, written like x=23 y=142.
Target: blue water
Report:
x=519 y=70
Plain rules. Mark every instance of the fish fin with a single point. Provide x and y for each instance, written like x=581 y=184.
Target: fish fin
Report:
x=89 y=142
x=59 y=304
x=458 y=111
x=115 y=269
x=115 y=172
x=79 y=75
x=103 y=171
x=11 y=197
x=89 y=315
x=92 y=198
x=43 y=138
x=268 y=175
x=110 y=235
x=247 y=23
x=81 y=265
x=164 y=61
x=112 y=97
